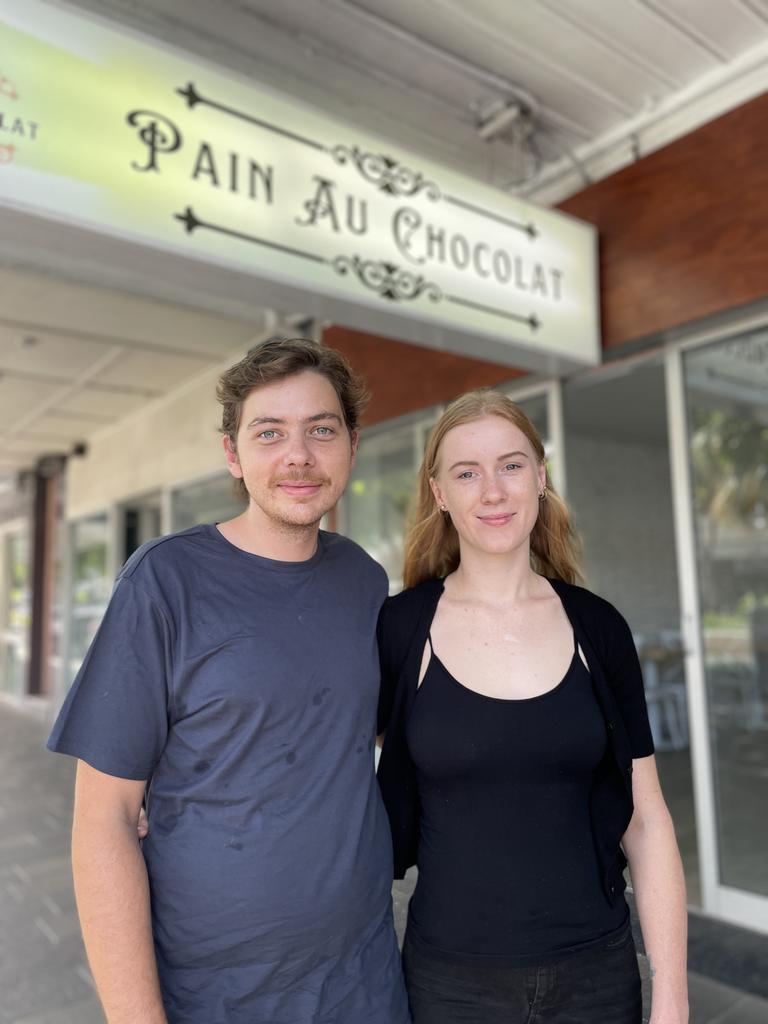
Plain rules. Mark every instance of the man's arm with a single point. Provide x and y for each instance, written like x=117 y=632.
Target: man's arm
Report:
x=113 y=897
x=659 y=884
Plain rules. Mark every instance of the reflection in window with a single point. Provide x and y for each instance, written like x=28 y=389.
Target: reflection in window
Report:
x=379 y=494
x=207 y=501
x=90 y=586
x=535 y=409
x=17 y=613
x=727 y=399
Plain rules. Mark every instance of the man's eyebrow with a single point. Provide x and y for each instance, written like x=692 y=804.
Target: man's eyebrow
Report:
x=261 y=420
x=264 y=419
x=324 y=416
x=508 y=455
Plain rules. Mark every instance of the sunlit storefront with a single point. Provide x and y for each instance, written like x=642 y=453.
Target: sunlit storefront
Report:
x=655 y=428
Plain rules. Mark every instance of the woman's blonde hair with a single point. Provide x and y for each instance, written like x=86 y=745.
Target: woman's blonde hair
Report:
x=432 y=543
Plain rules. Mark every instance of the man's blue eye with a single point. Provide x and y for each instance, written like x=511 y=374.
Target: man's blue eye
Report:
x=268 y=434
x=512 y=465
x=326 y=430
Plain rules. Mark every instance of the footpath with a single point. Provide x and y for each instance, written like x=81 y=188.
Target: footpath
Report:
x=44 y=977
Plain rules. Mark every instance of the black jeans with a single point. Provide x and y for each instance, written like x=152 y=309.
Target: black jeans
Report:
x=598 y=986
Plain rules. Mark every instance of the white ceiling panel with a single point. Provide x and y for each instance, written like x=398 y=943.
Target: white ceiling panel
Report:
x=528 y=44
x=74 y=358
x=103 y=403
x=26 y=445
x=491 y=36
x=576 y=25
x=153 y=371
x=112 y=316
x=723 y=28
x=655 y=37
x=67 y=427
x=16 y=400
x=33 y=352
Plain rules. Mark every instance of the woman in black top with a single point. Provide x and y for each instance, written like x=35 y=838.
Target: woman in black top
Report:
x=516 y=747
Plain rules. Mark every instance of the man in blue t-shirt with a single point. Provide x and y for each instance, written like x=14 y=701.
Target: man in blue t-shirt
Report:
x=232 y=686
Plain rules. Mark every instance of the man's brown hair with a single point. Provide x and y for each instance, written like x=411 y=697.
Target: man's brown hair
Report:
x=276 y=359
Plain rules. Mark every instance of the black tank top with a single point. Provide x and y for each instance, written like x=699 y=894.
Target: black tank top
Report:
x=507 y=864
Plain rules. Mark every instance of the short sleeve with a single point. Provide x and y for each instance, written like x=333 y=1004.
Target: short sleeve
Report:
x=625 y=678
x=116 y=714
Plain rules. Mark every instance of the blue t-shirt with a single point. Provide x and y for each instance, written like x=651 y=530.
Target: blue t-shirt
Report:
x=244 y=690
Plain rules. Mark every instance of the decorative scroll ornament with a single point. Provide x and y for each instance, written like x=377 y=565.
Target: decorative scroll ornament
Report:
x=387 y=174
x=387 y=279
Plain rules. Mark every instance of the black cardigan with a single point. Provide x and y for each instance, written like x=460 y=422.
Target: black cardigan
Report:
x=607 y=644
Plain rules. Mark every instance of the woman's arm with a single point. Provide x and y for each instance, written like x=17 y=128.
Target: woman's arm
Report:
x=657 y=878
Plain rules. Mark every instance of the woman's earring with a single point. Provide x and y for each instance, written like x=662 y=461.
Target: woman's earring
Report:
x=443 y=508
x=542 y=494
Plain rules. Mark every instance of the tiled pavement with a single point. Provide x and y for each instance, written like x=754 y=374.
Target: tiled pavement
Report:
x=43 y=974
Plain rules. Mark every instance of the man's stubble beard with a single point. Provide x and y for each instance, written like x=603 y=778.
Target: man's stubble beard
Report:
x=287 y=527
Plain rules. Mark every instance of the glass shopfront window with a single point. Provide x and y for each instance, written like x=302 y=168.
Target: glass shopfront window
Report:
x=726 y=387
x=535 y=408
x=379 y=493
x=90 y=586
x=207 y=501
x=16 y=613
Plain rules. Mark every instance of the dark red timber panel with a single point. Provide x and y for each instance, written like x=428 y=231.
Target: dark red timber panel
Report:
x=404 y=378
x=684 y=231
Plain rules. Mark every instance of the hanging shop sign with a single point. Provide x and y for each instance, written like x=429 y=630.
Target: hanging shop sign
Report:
x=119 y=135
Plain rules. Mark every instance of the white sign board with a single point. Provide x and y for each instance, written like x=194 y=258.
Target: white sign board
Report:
x=129 y=139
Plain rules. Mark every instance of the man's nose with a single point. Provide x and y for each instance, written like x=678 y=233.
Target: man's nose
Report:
x=298 y=452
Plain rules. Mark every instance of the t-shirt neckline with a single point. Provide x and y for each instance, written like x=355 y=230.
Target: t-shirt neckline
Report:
x=273 y=564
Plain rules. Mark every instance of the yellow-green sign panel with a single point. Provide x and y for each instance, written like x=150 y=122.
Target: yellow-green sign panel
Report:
x=103 y=130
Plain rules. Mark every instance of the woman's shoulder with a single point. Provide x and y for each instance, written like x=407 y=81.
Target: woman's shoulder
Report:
x=414 y=597
x=400 y=611
x=405 y=617
x=589 y=606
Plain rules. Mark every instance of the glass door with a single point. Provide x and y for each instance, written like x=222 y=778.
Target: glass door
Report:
x=725 y=385
x=620 y=494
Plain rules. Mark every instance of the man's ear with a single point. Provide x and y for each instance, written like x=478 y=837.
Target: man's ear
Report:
x=230 y=454
x=354 y=440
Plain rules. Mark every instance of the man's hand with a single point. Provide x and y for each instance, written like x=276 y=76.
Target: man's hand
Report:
x=143 y=826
